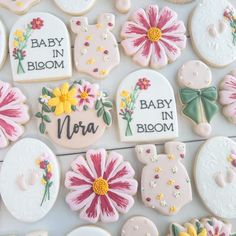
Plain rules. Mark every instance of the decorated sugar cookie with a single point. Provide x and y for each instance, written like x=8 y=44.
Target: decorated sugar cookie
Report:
x=89 y=230
x=204 y=227
x=38 y=233
x=75 y=7
x=153 y=37
x=123 y=6
x=96 y=50
x=180 y=1
x=165 y=184
x=212 y=30
x=215 y=176
x=13 y=114
x=146 y=108
x=3 y=44
x=101 y=185
x=74 y=115
x=39 y=51
x=139 y=226
x=228 y=96
x=18 y=6
x=29 y=179
x=198 y=96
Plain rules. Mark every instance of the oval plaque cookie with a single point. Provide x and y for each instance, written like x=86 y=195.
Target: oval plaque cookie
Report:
x=39 y=51
x=146 y=108
x=29 y=180
x=74 y=116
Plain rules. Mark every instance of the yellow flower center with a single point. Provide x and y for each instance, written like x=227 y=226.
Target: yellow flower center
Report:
x=63 y=98
x=84 y=95
x=100 y=186
x=154 y=34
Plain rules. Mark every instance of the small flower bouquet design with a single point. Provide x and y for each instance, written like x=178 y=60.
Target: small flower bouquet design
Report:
x=128 y=102
x=230 y=16
x=21 y=39
x=45 y=165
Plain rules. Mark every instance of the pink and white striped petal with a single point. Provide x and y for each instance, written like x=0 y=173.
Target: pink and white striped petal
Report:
x=128 y=186
x=141 y=18
x=227 y=97
x=167 y=18
x=152 y=12
x=3 y=140
x=229 y=83
x=74 y=181
x=230 y=112
x=158 y=58
x=132 y=30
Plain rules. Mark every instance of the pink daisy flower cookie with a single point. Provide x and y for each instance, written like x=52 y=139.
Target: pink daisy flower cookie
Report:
x=153 y=37
x=13 y=114
x=101 y=186
x=228 y=96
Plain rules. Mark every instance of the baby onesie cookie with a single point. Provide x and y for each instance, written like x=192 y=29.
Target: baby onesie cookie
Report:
x=39 y=51
x=197 y=95
x=74 y=115
x=204 y=227
x=212 y=29
x=215 y=176
x=153 y=37
x=123 y=6
x=13 y=114
x=101 y=185
x=75 y=7
x=38 y=233
x=144 y=114
x=18 y=6
x=29 y=179
x=228 y=96
x=139 y=226
x=96 y=50
x=3 y=44
x=89 y=230
x=165 y=184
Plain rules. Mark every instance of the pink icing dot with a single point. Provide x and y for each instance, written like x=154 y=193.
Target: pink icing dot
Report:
x=78 y=22
x=177 y=186
x=148 y=199
x=234 y=163
x=110 y=24
x=148 y=151
x=157 y=177
x=86 y=44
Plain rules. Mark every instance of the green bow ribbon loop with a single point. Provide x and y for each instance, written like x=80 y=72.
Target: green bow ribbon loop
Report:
x=195 y=98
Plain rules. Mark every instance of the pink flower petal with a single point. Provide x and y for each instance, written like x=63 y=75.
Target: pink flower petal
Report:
x=113 y=161
x=227 y=97
x=122 y=202
x=128 y=186
x=78 y=199
x=80 y=166
x=92 y=210
x=158 y=58
x=74 y=181
x=3 y=140
x=96 y=160
x=108 y=211
x=177 y=28
x=178 y=40
x=230 y=112
x=229 y=83
x=167 y=17
x=141 y=19
x=132 y=30
x=152 y=13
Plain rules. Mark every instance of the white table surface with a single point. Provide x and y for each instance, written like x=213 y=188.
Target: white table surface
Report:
x=61 y=220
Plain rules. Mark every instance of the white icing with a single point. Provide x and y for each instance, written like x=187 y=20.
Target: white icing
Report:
x=20 y=160
x=180 y=1
x=3 y=44
x=217 y=51
x=89 y=231
x=38 y=233
x=218 y=196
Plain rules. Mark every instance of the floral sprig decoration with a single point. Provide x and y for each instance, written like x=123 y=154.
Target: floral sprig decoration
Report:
x=44 y=164
x=232 y=158
x=230 y=16
x=128 y=102
x=21 y=39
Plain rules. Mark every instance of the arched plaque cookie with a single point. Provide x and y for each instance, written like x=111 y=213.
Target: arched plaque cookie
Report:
x=39 y=51
x=146 y=108
x=75 y=7
x=18 y=6
x=212 y=30
x=96 y=50
x=165 y=184
x=30 y=179
x=3 y=44
x=215 y=176
x=89 y=230
x=74 y=116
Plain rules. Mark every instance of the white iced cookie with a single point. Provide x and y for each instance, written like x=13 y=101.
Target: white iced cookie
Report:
x=29 y=180
x=89 y=231
x=39 y=51
x=38 y=233
x=75 y=7
x=215 y=176
x=212 y=29
x=198 y=96
x=139 y=226
x=18 y=6
x=165 y=184
x=145 y=115
x=123 y=6
x=96 y=50
x=3 y=44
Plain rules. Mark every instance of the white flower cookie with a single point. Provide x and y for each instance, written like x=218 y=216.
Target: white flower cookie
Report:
x=215 y=176
x=212 y=29
x=96 y=50
x=3 y=44
x=40 y=49
x=165 y=184
x=29 y=179
x=89 y=230
x=75 y=7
